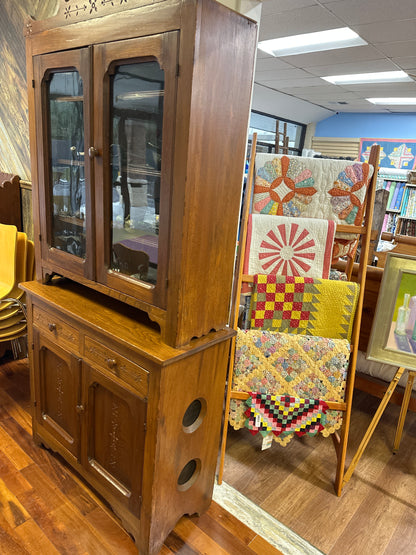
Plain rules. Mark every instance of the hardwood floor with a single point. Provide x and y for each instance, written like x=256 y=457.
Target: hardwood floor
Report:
x=46 y=509
x=376 y=513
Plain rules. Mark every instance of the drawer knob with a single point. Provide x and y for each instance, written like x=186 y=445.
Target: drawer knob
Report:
x=111 y=362
x=52 y=327
x=80 y=409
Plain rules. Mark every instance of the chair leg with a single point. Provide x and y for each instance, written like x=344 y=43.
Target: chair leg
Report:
x=403 y=410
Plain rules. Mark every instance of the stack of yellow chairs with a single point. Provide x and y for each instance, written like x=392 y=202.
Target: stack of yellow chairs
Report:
x=17 y=264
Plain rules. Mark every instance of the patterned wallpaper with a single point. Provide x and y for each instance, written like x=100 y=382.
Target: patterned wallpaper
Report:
x=14 y=133
x=14 y=126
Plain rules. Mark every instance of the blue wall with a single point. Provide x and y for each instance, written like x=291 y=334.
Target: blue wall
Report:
x=374 y=126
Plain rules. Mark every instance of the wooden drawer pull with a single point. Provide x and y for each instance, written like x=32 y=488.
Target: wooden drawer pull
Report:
x=52 y=327
x=111 y=362
x=80 y=409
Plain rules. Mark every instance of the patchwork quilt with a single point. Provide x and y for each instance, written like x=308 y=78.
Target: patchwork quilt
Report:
x=284 y=415
x=281 y=245
x=297 y=186
x=282 y=364
x=302 y=305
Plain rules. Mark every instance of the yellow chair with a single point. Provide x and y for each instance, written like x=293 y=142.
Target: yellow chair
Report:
x=8 y=246
x=20 y=270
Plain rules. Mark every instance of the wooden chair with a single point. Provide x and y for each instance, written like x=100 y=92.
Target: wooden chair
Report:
x=364 y=231
x=10 y=200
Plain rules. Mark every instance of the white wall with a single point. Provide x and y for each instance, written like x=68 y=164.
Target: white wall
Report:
x=285 y=106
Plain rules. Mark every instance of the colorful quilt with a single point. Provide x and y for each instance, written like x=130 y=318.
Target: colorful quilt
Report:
x=302 y=305
x=297 y=186
x=280 y=245
x=283 y=364
x=284 y=415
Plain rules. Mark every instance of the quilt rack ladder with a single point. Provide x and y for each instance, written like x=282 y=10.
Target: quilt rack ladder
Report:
x=340 y=440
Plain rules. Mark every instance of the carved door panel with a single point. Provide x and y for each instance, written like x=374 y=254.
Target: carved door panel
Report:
x=57 y=389
x=113 y=436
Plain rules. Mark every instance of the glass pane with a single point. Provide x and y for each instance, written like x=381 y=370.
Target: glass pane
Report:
x=136 y=147
x=66 y=132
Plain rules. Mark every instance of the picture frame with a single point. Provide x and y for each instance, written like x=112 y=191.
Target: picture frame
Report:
x=393 y=334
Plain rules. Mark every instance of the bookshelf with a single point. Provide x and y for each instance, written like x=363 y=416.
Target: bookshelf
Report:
x=400 y=216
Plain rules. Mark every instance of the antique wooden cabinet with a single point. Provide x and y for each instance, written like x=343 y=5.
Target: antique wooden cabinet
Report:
x=139 y=420
x=138 y=121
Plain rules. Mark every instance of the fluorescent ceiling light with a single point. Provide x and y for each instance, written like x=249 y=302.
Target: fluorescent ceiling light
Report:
x=312 y=42
x=396 y=101
x=379 y=77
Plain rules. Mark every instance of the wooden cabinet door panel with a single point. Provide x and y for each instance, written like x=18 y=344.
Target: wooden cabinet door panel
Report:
x=113 y=436
x=136 y=100
x=62 y=104
x=57 y=388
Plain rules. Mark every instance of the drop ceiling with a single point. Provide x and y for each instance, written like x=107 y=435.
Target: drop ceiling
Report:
x=389 y=27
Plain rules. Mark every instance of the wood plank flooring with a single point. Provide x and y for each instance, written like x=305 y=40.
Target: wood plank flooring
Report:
x=46 y=509
x=376 y=513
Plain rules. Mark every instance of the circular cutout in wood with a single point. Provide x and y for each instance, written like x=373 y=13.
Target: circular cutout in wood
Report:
x=194 y=415
x=189 y=474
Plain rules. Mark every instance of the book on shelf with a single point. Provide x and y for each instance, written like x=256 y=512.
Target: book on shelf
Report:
x=391 y=194
x=399 y=196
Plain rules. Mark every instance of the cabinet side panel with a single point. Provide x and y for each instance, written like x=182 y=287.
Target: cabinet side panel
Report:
x=225 y=44
x=188 y=420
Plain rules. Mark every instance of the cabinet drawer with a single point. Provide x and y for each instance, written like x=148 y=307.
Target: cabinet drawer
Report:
x=117 y=364
x=54 y=327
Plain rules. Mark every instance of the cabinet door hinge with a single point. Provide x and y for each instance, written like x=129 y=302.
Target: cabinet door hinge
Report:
x=33 y=346
x=145 y=426
x=40 y=237
x=35 y=403
x=33 y=83
x=178 y=70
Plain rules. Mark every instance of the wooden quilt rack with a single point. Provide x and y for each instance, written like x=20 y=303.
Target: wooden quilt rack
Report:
x=340 y=440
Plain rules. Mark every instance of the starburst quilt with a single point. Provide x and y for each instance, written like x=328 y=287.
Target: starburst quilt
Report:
x=280 y=245
x=283 y=364
x=302 y=305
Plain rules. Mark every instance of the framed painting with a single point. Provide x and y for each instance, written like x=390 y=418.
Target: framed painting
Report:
x=393 y=334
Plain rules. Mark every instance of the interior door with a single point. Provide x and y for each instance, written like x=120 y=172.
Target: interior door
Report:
x=135 y=91
x=62 y=107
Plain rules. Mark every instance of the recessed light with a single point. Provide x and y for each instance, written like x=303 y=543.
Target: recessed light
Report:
x=396 y=101
x=331 y=39
x=378 y=77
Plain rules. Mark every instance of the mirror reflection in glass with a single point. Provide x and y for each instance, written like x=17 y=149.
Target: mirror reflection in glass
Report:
x=66 y=133
x=137 y=92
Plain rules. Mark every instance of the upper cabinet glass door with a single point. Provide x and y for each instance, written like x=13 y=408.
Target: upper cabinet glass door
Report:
x=134 y=174
x=66 y=136
x=137 y=94
x=62 y=98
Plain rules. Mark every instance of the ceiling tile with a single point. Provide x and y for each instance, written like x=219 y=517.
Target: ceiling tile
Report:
x=387 y=31
x=271 y=64
x=329 y=57
x=295 y=22
x=278 y=6
x=398 y=49
x=365 y=66
x=355 y=12
x=283 y=84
